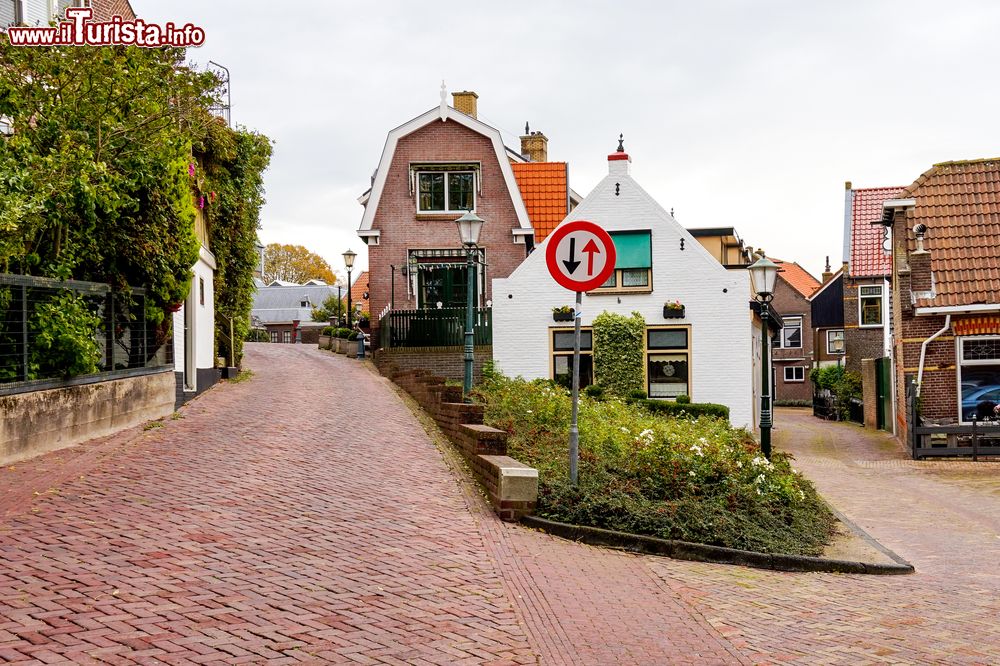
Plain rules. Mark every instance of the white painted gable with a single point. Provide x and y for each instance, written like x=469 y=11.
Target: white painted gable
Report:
x=716 y=299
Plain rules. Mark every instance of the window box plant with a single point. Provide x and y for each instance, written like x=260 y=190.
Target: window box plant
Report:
x=673 y=310
x=562 y=313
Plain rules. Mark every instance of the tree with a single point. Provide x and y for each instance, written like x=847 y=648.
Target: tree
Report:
x=332 y=307
x=294 y=263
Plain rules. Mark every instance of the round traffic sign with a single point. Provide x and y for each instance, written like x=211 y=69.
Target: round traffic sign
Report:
x=580 y=255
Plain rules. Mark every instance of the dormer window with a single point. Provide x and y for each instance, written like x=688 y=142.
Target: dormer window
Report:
x=445 y=188
x=446 y=192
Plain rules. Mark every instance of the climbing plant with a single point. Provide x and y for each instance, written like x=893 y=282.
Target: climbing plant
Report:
x=618 y=353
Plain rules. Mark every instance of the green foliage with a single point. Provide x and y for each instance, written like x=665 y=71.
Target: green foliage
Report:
x=257 y=335
x=352 y=336
x=64 y=340
x=342 y=333
x=618 y=352
x=594 y=391
x=562 y=309
x=826 y=377
x=844 y=385
x=113 y=149
x=687 y=409
x=637 y=394
x=328 y=330
x=332 y=307
x=490 y=372
x=683 y=399
x=695 y=479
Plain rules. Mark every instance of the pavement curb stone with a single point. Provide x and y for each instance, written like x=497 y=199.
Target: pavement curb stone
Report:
x=682 y=550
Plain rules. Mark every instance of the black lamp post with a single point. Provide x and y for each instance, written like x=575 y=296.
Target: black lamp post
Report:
x=349 y=262
x=469 y=227
x=763 y=274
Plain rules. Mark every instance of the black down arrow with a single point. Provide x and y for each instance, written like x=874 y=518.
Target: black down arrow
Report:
x=572 y=264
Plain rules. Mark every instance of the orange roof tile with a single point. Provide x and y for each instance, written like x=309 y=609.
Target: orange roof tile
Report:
x=798 y=277
x=960 y=204
x=359 y=288
x=545 y=190
x=868 y=257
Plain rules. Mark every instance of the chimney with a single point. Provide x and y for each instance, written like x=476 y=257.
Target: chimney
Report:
x=827 y=274
x=534 y=145
x=465 y=102
x=618 y=161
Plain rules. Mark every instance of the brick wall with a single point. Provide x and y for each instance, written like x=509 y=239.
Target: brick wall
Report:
x=462 y=424
x=445 y=362
x=788 y=302
x=860 y=343
x=401 y=231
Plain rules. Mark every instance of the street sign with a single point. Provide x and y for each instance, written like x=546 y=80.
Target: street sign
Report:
x=580 y=255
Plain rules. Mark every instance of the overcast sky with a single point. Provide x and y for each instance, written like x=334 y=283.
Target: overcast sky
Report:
x=749 y=114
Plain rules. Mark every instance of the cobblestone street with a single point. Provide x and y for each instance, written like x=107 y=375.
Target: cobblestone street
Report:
x=304 y=516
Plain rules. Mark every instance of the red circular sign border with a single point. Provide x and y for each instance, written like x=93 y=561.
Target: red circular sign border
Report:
x=552 y=242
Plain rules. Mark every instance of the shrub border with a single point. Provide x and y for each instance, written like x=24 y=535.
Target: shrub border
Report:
x=698 y=552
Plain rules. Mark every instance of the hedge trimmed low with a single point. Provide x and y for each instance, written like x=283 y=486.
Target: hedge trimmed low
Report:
x=691 y=409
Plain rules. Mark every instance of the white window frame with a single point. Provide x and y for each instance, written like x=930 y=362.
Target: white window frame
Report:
x=843 y=338
x=687 y=352
x=781 y=333
x=961 y=362
x=286 y=337
x=802 y=370
x=862 y=299
x=447 y=207
x=274 y=337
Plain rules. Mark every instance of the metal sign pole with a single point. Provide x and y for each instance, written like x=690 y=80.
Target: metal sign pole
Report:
x=574 y=433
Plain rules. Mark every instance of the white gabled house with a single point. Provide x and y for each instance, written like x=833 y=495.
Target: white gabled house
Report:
x=706 y=354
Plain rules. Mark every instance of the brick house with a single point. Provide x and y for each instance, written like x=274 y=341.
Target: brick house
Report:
x=792 y=347
x=946 y=281
x=707 y=352
x=285 y=311
x=434 y=168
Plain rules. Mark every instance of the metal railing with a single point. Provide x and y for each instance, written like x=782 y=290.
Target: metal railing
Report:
x=37 y=334
x=444 y=327
x=980 y=438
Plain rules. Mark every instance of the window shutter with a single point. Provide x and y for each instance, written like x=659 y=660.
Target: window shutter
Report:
x=633 y=249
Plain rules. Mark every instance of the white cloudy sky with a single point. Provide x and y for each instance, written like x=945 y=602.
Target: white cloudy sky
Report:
x=743 y=113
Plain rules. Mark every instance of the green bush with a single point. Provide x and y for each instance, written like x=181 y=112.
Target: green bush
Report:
x=619 y=352
x=683 y=399
x=328 y=330
x=594 y=391
x=689 y=409
x=65 y=340
x=343 y=333
x=352 y=336
x=257 y=335
x=636 y=394
x=696 y=479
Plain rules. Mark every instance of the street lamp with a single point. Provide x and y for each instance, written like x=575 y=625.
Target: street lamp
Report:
x=349 y=262
x=469 y=227
x=763 y=274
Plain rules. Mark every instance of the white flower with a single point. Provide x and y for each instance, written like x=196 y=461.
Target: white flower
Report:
x=739 y=464
x=691 y=473
x=802 y=495
x=697 y=450
x=624 y=430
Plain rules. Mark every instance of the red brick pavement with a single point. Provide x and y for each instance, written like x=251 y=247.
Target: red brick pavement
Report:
x=278 y=522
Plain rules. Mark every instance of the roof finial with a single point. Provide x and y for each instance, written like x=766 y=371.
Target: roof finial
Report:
x=621 y=143
x=827 y=263
x=527 y=131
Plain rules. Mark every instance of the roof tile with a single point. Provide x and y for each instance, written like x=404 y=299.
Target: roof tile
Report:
x=868 y=257
x=798 y=277
x=545 y=190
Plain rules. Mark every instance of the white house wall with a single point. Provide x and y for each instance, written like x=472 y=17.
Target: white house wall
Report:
x=204 y=318
x=716 y=300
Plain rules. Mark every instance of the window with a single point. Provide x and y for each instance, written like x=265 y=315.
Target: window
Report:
x=835 y=342
x=286 y=336
x=667 y=362
x=633 y=267
x=201 y=290
x=562 y=357
x=795 y=373
x=979 y=376
x=445 y=191
x=791 y=334
x=870 y=305
x=274 y=336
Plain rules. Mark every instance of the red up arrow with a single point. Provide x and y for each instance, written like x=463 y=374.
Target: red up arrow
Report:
x=591 y=249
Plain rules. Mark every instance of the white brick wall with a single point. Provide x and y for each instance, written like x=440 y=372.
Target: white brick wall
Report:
x=716 y=300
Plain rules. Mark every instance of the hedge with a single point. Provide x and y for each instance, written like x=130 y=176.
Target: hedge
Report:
x=692 y=409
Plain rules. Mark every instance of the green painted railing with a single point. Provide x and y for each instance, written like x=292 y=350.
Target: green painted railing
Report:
x=443 y=327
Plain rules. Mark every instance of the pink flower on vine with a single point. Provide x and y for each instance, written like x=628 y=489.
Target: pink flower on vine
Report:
x=191 y=169
x=201 y=203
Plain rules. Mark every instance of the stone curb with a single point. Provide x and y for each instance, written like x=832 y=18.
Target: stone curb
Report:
x=682 y=550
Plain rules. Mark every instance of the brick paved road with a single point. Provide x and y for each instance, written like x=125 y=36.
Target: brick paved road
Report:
x=304 y=517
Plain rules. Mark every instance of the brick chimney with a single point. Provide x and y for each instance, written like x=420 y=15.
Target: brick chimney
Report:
x=534 y=145
x=465 y=102
x=920 y=263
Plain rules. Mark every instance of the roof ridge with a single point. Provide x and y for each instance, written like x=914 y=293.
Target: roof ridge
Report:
x=981 y=160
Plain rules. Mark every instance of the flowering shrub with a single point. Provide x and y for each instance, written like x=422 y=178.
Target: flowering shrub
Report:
x=693 y=479
x=673 y=305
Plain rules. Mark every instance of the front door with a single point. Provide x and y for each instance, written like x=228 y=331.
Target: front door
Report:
x=444 y=285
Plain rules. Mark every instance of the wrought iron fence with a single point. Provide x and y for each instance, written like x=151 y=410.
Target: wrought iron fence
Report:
x=444 y=327
x=59 y=332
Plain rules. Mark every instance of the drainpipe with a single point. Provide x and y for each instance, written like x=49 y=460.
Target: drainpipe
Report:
x=923 y=352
